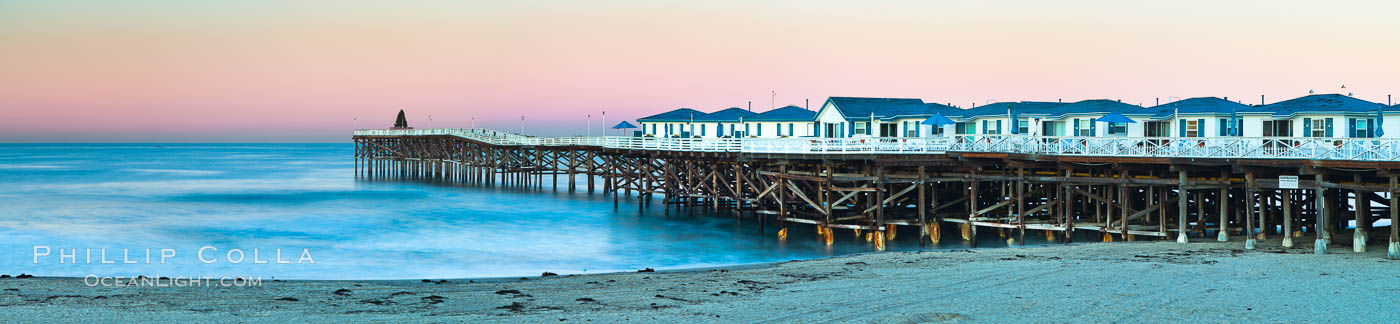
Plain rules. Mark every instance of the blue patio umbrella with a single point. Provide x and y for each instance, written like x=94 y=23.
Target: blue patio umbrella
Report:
x=1380 y=120
x=1234 y=123
x=938 y=120
x=1011 y=116
x=1115 y=118
x=624 y=125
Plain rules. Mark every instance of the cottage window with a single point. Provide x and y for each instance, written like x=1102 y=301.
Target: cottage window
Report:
x=1119 y=129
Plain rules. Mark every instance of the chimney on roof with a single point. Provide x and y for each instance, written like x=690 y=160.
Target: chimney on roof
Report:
x=1261 y=100
x=1159 y=101
x=1060 y=100
x=1227 y=98
x=807 y=103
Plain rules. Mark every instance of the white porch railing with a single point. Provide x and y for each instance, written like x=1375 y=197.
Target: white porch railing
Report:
x=1361 y=149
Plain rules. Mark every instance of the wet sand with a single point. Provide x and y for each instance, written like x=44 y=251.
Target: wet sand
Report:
x=1114 y=282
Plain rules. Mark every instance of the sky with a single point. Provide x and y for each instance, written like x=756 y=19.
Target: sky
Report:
x=311 y=71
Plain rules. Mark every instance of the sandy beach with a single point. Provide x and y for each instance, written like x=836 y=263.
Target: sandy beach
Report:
x=1096 y=282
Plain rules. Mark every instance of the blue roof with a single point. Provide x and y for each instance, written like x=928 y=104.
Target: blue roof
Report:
x=856 y=107
x=1023 y=108
x=1200 y=106
x=683 y=114
x=1319 y=103
x=731 y=114
x=789 y=113
x=928 y=110
x=1098 y=106
x=1054 y=109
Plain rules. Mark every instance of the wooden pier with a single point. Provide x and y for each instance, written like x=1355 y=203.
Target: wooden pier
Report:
x=1006 y=193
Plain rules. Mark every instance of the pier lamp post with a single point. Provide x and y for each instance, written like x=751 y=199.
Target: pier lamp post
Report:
x=605 y=123
x=473 y=121
x=430 y=121
x=522 y=125
x=588 y=130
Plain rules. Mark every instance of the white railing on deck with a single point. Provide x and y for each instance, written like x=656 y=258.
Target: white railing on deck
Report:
x=1363 y=149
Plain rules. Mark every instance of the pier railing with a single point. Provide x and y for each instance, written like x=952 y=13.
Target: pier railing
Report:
x=1318 y=148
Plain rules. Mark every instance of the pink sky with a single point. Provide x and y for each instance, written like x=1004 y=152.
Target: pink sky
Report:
x=171 y=71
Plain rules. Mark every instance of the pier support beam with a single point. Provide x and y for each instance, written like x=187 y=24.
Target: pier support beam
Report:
x=1287 y=217
x=1224 y=201
x=1393 y=250
x=1362 y=206
x=1249 y=210
x=1181 y=198
x=1320 y=244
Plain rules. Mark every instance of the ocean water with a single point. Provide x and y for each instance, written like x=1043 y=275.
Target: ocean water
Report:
x=77 y=201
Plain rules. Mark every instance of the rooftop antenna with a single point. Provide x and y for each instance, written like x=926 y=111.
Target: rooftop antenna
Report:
x=1310 y=91
x=807 y=104
x=1261 y=100
x=1158 y=101
x=750 y=105
x=772 y=100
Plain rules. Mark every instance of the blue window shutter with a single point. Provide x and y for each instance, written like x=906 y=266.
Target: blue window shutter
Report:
x=1351 y=127
x=1370 y=128
x=1329 y=130
x=1222 y=128
x=790 y=130
x=999 y=128
x=1181 y=123
x=1076 y=128
x=1201 y=127
x=1307 y=127
x=1093 y=128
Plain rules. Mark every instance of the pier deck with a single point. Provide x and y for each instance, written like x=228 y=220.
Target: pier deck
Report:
x=1117 y=188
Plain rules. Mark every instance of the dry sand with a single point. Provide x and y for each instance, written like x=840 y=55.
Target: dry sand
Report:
x=1161 y=282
